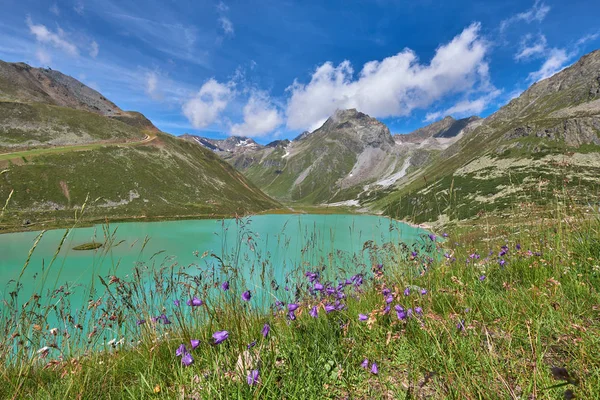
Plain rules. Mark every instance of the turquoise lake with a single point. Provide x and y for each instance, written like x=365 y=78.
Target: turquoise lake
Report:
x=268 y=245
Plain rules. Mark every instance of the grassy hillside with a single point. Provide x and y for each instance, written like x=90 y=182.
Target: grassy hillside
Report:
x=63 y=145
x=167 y=177
x=546 y=140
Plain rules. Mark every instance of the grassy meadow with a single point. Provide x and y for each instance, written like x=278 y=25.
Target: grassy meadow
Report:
x=504 y=307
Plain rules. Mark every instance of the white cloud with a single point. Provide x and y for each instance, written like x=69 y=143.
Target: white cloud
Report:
x=205 y=108
x=55 y=10
x=227 y=25
x=152 y=85
x=43 y=57
x=222 y=7
x=587 y=38
x=556 y=61
x=529 y=49
x=465 y=108
x=260 y=117
x=536 y=13
x=394 y=86
x=94 y=49
x=79 y=8
x=46 y=36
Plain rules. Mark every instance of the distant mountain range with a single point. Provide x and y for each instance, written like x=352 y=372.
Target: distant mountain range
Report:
x=61 y=141
x=546 y=139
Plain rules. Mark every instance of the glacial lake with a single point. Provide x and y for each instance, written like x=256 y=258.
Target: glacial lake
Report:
x=268 y=248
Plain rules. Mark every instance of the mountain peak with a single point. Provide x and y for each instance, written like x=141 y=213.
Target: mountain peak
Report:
x=359 y=127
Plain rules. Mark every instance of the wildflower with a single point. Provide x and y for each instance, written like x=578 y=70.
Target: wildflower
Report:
x=253 y=377
x=379 y=266
x=181 y=350
x=374 y=369
x=164 y=319
x=502 y=262
x=246 y=295
x=432 y=237
x=389 y=299
x=225 y=285
x=195 y=343
x=291 y=316
x=251 y=345
x=265 y=330
x=339 y=306
x=445 y=234
x=293 y=307
x=482 y=278
x=362 y=317
x=187 y=359
x=407 y=292
x=398 y=307
x=140 y=322
x=401 y=315
x=314 y=312
x=312 y=276
x=195 y=302
x=365 y=363
x=423 y=292
x=409 y=313
x=329 y=308
x=318 y=286
x=518 y=246
x=414 y=254
x=330 y=290
x=386 y=292
x=348 y=282
x=461 y=325
x=176 y=302
x=220 y=336
x=386 y=309
x=419 y=311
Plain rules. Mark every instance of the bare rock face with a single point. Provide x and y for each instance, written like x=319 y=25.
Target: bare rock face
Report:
x=354 y=126
x=21 y=82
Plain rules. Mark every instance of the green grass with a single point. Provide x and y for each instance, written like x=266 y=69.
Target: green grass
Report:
x=165 y=178
x=537 y=311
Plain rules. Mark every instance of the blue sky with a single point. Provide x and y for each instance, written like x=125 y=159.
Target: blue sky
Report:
x=271 y=69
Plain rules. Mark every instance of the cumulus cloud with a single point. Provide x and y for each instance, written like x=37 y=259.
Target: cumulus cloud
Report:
x=94 y=49
x=206 y=107
x=530 y=48
x=393 y=86
x=260 y=117
x=556 y=61
x=44 y=35
x=536 y=13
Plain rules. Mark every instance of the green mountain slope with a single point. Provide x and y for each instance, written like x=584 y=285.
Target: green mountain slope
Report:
x=545 y=140
x=332 y=164
x=54 y=153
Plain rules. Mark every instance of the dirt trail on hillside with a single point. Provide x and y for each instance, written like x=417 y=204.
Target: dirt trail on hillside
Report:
x=76 y=147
